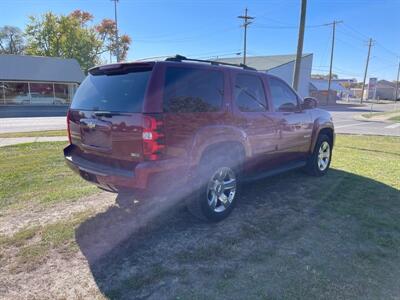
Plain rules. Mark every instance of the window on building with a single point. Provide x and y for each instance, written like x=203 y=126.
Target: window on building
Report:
x=16 y=92
x=42 y=93
x=249 y=93
x=283 y=97
x=193 y=90
x=12 y=92
x=63 y=93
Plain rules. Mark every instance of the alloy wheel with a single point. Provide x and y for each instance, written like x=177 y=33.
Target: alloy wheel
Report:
x=324 y=156
x=221 y=189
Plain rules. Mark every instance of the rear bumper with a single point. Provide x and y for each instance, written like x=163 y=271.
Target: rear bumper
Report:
x=154 y=175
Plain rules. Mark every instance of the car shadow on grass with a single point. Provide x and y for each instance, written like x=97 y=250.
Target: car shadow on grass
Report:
x=290 y=236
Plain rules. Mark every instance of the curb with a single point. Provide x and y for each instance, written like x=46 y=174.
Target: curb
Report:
x=364 y=119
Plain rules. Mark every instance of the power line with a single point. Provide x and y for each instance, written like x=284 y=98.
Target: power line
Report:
x=246 y=23
x=261 y=25
x=376 y=42
x=324 y=56
x=347 y=32
x=384 y=68
x=186 y=39
x=356 y=31
x=343 y=71
x=350 y=44
x=272 y=19
x=387 y=50
x=217 y=56
x=325 y=70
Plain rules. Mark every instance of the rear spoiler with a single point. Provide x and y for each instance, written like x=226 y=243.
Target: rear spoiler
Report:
x=121 y=68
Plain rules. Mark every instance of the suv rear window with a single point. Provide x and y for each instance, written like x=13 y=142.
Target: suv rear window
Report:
x=112 y=92
x=193 y=90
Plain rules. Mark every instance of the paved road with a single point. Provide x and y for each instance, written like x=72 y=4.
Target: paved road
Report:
x=21 y=111
x=343 y=117
x=32 y=124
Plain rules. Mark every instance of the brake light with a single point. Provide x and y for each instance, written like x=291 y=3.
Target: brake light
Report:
x=153 y=138
x=68 y=129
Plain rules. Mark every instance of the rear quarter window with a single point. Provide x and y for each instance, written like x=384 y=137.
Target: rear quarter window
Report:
x=192 y=90
x=112 y=92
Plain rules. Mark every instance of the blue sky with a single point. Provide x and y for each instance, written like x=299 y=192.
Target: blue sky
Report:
x=206 y=29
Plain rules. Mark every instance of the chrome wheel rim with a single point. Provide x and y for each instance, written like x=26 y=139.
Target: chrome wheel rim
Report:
x=221 y=189
x=324 y=155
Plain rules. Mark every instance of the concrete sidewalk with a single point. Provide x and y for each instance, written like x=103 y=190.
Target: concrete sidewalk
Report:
x=23 y=140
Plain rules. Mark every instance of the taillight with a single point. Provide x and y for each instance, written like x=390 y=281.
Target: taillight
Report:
x=68 y=129
x=153 y=138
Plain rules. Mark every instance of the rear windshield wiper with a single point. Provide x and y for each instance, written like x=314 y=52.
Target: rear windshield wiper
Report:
x=108 y=113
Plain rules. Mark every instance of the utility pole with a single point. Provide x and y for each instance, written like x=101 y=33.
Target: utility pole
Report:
x=366 y=68
x=331 y=63
x=245 y=24
x=116 y=29
x=296 y=75
x=396 y=93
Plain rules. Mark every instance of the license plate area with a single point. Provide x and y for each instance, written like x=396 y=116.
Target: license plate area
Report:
x=96 y=134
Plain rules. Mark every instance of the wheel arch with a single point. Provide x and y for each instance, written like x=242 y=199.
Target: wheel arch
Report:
x=234 y=150
x=212 y=137
x=322 y=128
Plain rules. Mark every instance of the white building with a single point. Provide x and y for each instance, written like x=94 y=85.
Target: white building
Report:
x=281 y=66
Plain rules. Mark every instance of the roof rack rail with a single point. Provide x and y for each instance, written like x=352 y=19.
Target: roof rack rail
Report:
x=213 y=62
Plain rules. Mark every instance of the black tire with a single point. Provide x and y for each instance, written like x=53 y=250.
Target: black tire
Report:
x=312 y=167
x=197 y=202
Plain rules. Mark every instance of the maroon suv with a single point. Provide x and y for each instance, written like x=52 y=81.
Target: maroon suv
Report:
x=195 y=126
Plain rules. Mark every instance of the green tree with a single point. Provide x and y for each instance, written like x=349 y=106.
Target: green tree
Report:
x=107 y=33
x=73 y=36
x=11 y=40
x=63 y=36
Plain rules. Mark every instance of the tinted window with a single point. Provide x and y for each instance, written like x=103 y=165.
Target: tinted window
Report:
x=114 y=92
x=249 y=93
x=15 y=92
x=283 y=97
x=193 y=90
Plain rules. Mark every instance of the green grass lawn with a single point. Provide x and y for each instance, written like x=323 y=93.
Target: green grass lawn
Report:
x=34 y=134
x=395 y=118
x=374 y=157
x=291 y=236
x=36 y=173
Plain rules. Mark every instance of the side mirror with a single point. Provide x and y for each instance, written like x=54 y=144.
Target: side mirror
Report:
x=288 y=107
x=309 y=103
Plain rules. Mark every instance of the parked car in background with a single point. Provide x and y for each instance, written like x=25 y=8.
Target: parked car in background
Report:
x=199 y=126
x=37 y=98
